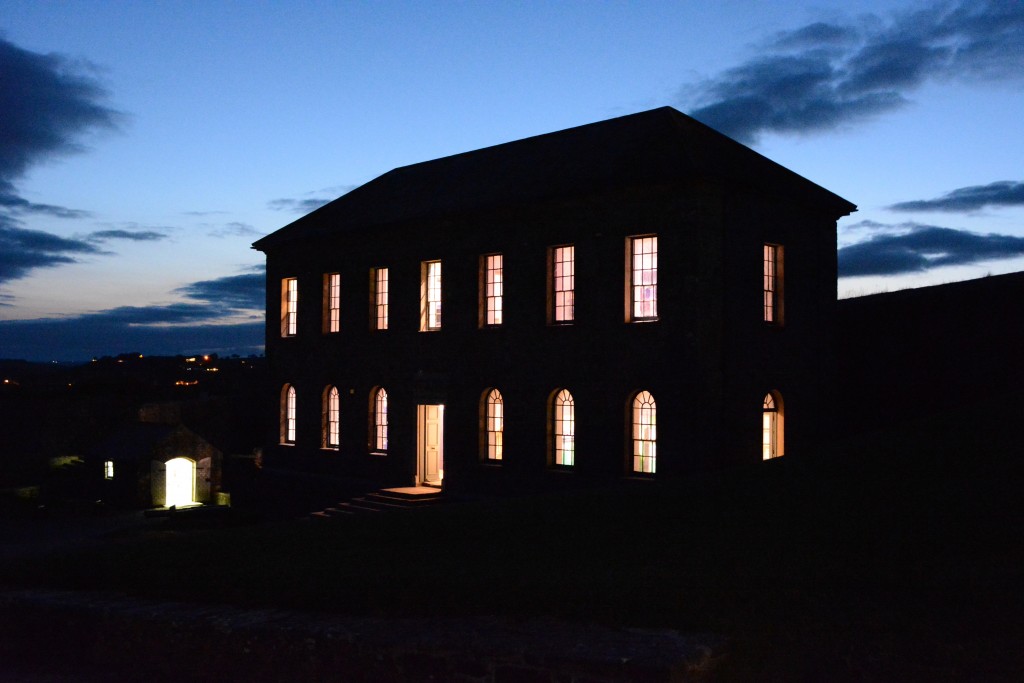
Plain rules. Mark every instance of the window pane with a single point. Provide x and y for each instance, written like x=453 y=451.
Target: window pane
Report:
x=644 y=278
x=645 y=435
x=563 y=283
x=493 y=289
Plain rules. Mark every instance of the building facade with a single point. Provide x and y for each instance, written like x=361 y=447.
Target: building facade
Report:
x=636 y=298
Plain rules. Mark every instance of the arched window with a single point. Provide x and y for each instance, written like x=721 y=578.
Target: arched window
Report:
x=645 y=433
x=379 y=427
x=772 y=426
x=563 y=423
x=288 y=414
x=493 y=408
x=331 y=428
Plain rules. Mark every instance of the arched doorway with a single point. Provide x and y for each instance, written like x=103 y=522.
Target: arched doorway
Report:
x=181 y=482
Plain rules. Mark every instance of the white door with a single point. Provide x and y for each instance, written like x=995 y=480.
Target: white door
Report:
x=181 y=482
x=431 y=444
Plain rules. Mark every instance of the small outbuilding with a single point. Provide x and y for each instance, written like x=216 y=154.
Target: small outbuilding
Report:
x=158 y=465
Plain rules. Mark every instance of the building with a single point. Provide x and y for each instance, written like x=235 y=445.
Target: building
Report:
x=636 y=298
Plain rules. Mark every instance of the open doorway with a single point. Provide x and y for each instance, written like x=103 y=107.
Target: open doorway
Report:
x=430 y=445
x=181 y=482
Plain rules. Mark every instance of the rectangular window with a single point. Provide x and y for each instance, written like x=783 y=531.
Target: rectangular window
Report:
x=289 y=307
x=643 y=278
x=491 y=290
x=773 y=284
x=108 y=469
x=379 y=298
x=430 y=296
x=563 y=284
x=332 y=303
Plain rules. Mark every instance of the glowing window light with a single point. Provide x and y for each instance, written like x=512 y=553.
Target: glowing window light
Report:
x=644 y=277
x=332 y=415
x=563 y=283
x=379 y=298
x=564 y=429
x=430 y=296
x=108 y=469
x=772 y=284
x=332 y=302
x=645 y=433
x=493 y=289
x=494 y=424
x=380 y=420
x=289 y=307
x=771 y=427
x=288 y=414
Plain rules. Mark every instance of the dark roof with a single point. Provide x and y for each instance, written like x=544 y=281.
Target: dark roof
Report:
x=652 y=147
x=137 y=440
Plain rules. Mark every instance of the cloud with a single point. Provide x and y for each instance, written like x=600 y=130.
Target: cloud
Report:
x=825 y=75
x=14 y=204
x=973 y=198
x=235 y=229
x=133 y=235
x=311 y=201
x=183 y=327
x=47 y=103
x=79 y=339
x=236 y=292
x=22 y=250
x=297 y=205
x=924 y=247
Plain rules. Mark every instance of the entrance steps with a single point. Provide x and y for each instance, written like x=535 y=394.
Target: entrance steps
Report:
x=385 y=500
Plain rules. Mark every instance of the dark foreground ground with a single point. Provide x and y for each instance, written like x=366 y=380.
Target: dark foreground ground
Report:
x=889 y=557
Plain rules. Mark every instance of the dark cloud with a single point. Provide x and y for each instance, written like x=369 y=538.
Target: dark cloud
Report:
x=133 y=235
x=235 y=292
x=922 y=248
x=182 y=327
x=974 y=198
x=21 y=250
x=824 y=75
x=47 y=103
x=13 y=204
x=79 y=339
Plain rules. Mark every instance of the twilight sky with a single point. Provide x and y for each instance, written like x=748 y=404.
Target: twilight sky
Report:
x=145 y=146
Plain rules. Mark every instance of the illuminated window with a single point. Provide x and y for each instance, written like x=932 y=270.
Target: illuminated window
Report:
x=289 y=307
x=108 y=469
x=643 y=278
x=645 y=433
x=772 y=427
x=332 y=303
x=494 y=424
x=288 y=414
x=492 y=290
x=563 y=429
x=430 y=296
x=379 y=298
x=772 y=284
x=563 y=284
x=331 y=418
x=379 y=423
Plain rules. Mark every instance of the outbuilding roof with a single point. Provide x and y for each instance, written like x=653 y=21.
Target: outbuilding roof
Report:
x=639 y=150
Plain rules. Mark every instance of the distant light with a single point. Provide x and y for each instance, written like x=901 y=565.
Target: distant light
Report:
x=141 y=356
x=190 y=360
x=206 y=358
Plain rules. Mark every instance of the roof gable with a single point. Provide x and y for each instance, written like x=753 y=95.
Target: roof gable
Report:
x=652 y=147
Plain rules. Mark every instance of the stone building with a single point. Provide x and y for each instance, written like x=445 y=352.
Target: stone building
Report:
x=636 y=298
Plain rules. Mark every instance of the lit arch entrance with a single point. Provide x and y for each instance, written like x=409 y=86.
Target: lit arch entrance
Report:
x=181 y=482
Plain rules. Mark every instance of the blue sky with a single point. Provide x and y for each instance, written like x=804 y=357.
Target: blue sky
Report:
x=145 y=146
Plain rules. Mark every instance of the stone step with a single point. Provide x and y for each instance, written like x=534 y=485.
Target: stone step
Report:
x=384 y=500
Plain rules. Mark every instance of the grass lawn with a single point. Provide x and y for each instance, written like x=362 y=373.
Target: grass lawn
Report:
x=895 y=556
